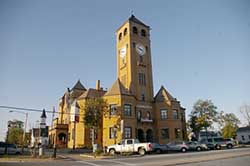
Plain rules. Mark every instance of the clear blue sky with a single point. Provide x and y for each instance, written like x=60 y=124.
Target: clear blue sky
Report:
x=200 y=49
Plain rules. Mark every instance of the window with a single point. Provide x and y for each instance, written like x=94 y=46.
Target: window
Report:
x=125 y=32
x=165 y=133
x=148 y=115
x=90 y=135
x=141 y=59
x=138 y=115
x=142 y=97
x=164 y=114
x=243 y=138
x=112 y=132
x=127 y=132
x=177 y=133
x=112 y=109
x=68 y=136
x=143 y=33
x=142 y=79
x=127 y=110
x=120 y=36
x=133 y=44
x=130 y=141
x=175 y=114
x=135 y=30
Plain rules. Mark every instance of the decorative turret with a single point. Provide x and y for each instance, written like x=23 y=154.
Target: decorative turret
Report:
x=43 y=119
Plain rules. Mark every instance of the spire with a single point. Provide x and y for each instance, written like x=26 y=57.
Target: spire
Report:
x=43 y=114
x=78 y=86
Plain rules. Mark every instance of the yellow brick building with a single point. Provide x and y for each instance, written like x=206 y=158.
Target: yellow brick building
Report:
x=134 y=111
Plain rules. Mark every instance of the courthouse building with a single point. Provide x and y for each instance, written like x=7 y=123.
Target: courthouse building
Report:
x=135 y=112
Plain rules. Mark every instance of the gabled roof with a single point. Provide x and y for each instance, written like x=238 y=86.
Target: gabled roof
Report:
x=92 y=93
x=43 y=114
x=78 y=86
x=163 y=94
x=134 y=19
x=117 y=89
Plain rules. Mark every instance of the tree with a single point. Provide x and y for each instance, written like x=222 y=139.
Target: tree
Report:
x=14 y=136
x=94 y=110
x=203 y=115
x=229 y=124
x=245 y=111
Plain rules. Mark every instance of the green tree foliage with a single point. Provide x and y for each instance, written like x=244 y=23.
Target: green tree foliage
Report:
x=14 y=136
x=229 y=124
x=94 y=110
x=202 y=116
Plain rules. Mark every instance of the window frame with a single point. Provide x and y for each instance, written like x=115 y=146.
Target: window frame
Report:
x=127 y=132
x=167 y=133
x=165 y=115
x=111 y=111
x=125 y=110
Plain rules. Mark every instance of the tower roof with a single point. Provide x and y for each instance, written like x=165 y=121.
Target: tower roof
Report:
x=163 y=94
x=43 y=114
x=117 y=89
x=78 y=86
x=136 y=20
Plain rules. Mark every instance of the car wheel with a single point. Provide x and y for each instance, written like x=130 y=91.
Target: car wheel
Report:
x=158 y=151
x=112 y=151
x=183 y=150
x=229 y=146
x=218 y=147
x=142 y=151
x=198 y=149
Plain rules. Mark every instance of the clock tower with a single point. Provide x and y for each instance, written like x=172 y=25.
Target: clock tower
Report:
x=134 y=67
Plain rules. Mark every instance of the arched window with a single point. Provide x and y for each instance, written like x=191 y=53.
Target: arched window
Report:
x=120 y=36
x=143 y=33
x=125 y=32
x=135 y=30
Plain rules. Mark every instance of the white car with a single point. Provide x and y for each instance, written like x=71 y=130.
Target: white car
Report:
x=130 y=146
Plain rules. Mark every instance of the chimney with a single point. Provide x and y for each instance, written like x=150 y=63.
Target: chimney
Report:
x=97 y=84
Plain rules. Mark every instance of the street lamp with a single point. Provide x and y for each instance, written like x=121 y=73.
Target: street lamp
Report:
x=25 y=125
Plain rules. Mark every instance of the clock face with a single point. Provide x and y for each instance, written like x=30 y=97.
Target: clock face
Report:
x=140 y=49
x=123 y=52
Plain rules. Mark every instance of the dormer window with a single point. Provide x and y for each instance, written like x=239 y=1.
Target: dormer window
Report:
x=135 y=30
x=143 y=33
x=125 y=32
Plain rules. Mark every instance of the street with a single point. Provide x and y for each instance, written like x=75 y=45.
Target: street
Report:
x=230 y=157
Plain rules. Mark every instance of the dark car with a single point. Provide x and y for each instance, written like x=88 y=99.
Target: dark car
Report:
x=9 y=148
x=159 y=148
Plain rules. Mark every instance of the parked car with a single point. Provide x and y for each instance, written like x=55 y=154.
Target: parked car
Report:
x=9 y=148
x=177 y=146
x=217 y=143
x=159 y=148
x=194 y=145
x=231 y=140
x=130 y=146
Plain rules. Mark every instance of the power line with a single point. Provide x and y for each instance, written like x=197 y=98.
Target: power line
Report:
x=34 y=110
